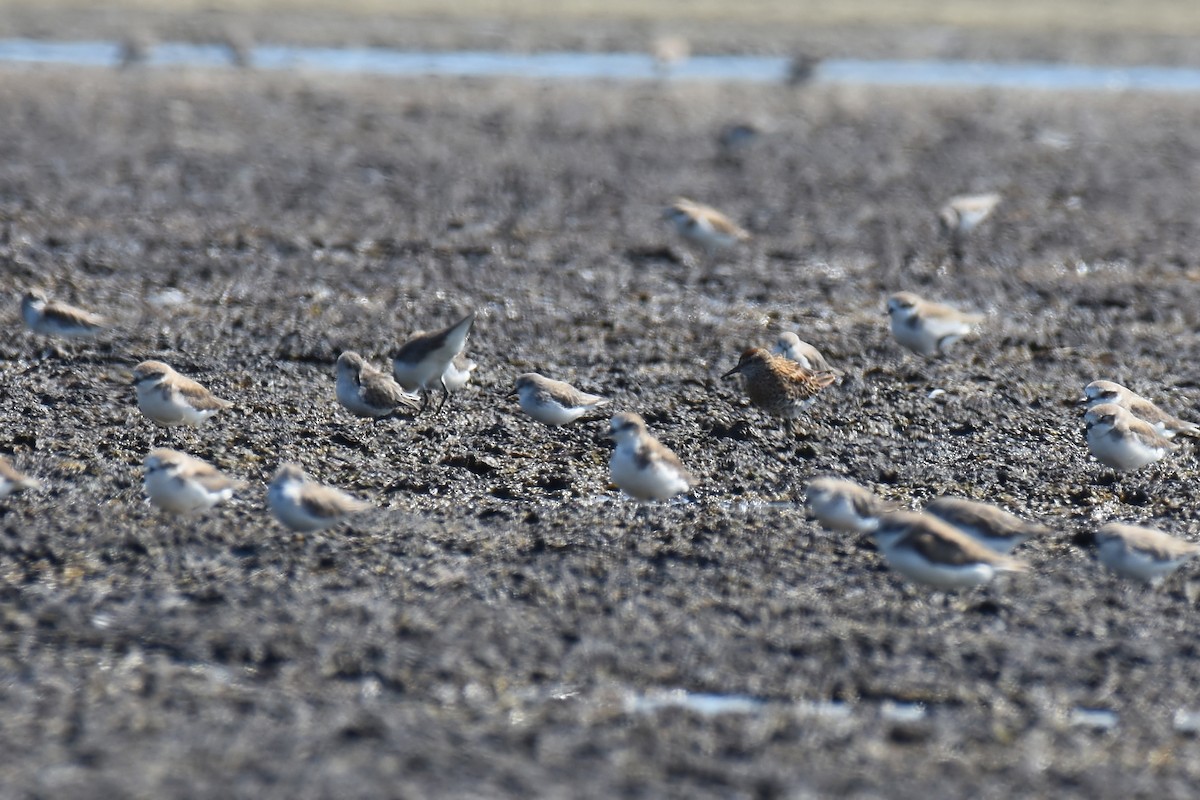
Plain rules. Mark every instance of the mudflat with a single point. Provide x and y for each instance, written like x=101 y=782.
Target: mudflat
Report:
x=505 y=623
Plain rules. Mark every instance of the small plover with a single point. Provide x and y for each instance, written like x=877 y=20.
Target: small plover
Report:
x=13 y=481
x=1143 y=554
x=641 y=466
x=1098 y=392
x=991 y=526
x=553 y=402
x=704 y=226
x=777 y=385
x=458 y=373
x=961 y=215
x=843 y=505
x=422 y=360
x=927 y=328
x=792 y=347
x=168 y=398
x=927 y=550
x=305 y=505
x=367 y=392
x=182 y=484
x=1120 y=440
x=51 y=318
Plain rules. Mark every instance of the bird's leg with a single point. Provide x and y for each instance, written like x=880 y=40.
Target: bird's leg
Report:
x=445 y=397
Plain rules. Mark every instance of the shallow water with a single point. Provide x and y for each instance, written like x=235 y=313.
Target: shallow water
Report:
x=616 y=66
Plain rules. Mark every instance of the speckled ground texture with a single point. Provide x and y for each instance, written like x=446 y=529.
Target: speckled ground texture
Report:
x=498 y=625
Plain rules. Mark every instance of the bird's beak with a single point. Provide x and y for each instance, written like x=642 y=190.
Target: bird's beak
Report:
x=512 y=394
x=731 y=372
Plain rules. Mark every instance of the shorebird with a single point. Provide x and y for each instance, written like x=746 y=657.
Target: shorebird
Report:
x=305 y=505
x=843 y=505
x=927 y=328
x=168 y=398
x=423 y=359
x=641 y=466
x=368 y=392
x=553 y=402
x=990 y=526
x=52 y=318
x=1099 y=392
x=1143 y=554
x=926 y=550
x=181 y=484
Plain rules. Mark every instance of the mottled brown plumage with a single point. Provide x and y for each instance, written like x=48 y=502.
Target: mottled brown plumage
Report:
x=778 y=385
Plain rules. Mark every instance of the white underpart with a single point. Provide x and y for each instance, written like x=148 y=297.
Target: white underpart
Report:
x=913 y=565
x=549 y=410
x=170 y=410
x=655 y=481
x=1129 y=562
x=929 y=335
x=428 y=371
x=182 y=497
x=1121 y=452
x=454 y=378
x=836 y=512
x=284 y=499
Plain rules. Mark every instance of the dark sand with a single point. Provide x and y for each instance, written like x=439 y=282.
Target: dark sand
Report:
x=485 y=632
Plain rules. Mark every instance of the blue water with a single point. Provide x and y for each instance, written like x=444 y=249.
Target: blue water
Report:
x=617 y=66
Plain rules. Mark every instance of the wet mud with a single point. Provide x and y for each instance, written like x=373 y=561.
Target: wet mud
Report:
x=490 y=629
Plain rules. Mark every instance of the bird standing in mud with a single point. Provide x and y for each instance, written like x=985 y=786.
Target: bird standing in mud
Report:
x=704 y=226
x=1120 y=440
x=168 y=398
x=777 y=385
x=925 y=327
x=641 y=466
x=1140 y=553
x=845 y=506
x=368 y=392
x=793 y=348
x=52 y=318
x=1100 y=392
x=927 y=550
x=553 y=402
x=304 y=505
x=424 y=359
x=961 y=215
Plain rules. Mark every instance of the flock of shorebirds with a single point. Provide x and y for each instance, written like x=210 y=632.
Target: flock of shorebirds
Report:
x=953 y=543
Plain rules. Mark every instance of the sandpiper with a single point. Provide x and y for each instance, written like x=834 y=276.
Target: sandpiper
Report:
x=777 y=385
x=641 y=466
x=305 y=505
x=843 y=505
x=368 y=392
x=1120 y=440
x=422 y=360
x=168 y=398
x=1143 y=554
x=927 y=328
x=1098 y=392
x=926 y=550
x=553 y=402
x=51 y=318
x=990 y=526
x=182 y=484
